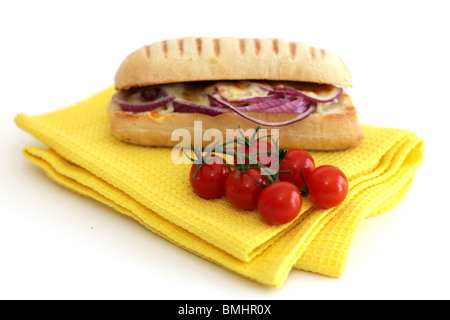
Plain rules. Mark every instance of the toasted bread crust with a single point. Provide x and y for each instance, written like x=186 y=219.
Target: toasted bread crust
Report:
x=336 y=129
x=201 y=59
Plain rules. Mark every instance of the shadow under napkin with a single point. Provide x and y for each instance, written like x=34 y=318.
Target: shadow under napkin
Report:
x=144 y=184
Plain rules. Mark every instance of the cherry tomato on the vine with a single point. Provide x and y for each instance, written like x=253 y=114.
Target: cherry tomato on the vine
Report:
x=328 y=186
x=279 y=203
x=209 y=181
x=241 y=190
x=297 y=161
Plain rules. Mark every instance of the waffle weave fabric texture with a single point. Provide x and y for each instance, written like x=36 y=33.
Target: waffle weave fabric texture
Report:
x=144 y=184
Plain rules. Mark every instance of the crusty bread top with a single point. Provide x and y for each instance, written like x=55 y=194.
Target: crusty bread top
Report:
x=203 y=59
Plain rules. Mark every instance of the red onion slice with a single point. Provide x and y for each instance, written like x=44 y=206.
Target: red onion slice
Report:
x=284 y=105
x=296 y=106
x=265 y=106
x=189 y=107
x=310 y=109
x=335 y=93
x=142 y=106
x=217 y=100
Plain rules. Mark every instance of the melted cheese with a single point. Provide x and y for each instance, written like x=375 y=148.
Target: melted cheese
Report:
x=187 y=91
x=241 y=90
x=232 y=90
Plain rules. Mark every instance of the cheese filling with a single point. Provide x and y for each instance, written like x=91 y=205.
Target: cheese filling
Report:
x=235 y=92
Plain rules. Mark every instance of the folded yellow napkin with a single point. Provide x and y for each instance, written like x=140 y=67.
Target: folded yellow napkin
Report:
x=144 y=184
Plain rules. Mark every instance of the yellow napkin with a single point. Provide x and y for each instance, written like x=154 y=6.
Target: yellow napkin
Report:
x=144 y=184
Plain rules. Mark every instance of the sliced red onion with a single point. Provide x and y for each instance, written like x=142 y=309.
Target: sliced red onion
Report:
x=217 y=100
x=278 y=100
x=142 y=106
x=296 y=106
x=265 y=106
x=335 y=93
x=310 y=109
x=283 y=105
x=189 y=107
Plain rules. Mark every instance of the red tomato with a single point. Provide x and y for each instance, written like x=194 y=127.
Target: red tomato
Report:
x=297 y=161
x=242 y=191
x=209 y=181
x=279 y=203
x=327 y=186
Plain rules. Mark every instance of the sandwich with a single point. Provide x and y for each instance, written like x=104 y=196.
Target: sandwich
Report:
x=229 y=83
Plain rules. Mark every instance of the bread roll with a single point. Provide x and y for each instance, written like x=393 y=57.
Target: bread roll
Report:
x=333 y=126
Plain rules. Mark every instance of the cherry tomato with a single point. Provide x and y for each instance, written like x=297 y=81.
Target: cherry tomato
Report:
x=297 y=161
x=242 y=191
x=279 y=203
x=209 y=181
x=327 y=186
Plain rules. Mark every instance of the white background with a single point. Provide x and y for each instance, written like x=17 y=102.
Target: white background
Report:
x=58 y=245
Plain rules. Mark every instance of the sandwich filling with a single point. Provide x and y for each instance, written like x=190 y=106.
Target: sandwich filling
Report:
x=241 y=97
